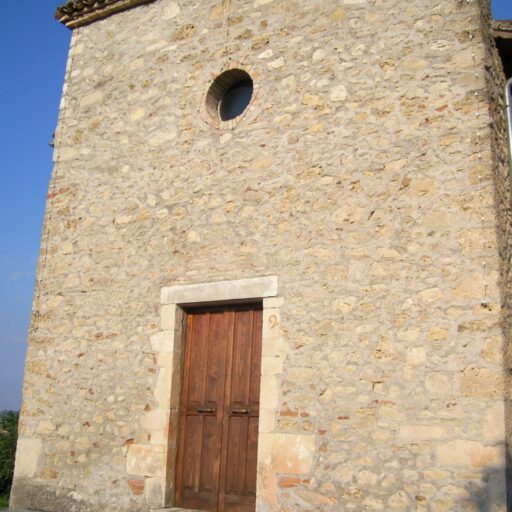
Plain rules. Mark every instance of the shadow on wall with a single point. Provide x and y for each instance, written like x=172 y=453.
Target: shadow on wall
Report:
x=486 y=493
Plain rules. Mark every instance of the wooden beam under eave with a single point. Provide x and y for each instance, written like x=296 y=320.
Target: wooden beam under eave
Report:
x=72 y=21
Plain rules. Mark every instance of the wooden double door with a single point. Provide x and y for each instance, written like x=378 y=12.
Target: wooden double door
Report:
x=219 y=409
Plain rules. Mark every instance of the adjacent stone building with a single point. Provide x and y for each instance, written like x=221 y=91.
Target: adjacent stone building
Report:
x=275 y=265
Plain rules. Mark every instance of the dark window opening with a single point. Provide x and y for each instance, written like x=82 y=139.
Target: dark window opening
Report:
x=502 y=32
x=229 y=95
x=235 y=100
x=505 y=51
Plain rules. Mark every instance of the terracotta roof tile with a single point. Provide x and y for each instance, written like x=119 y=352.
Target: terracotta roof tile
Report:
x=76 y=13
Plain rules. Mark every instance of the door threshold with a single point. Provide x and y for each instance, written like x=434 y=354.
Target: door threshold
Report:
x=175 y=509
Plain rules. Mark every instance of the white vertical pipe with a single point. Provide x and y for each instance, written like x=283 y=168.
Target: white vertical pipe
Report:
x=508 y=106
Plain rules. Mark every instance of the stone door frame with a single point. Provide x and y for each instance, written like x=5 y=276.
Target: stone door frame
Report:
x=151 y=460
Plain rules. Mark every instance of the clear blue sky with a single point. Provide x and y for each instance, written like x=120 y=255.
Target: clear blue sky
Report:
x=502 y=9
x=33 y=50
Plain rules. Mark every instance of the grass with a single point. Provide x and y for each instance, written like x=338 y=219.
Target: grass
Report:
x=4 y=501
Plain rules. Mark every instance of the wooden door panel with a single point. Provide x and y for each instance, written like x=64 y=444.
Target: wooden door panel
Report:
x=197 y=359
x=254 y=391
x=216 y=359
x=193 y=429
x=218 y=431
x=252 y=455
x=242 y=456
x=235 y=458
x=200 y=430
x=209 y=453
x=241 y=360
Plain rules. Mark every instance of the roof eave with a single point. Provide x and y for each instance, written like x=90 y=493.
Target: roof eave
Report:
x=78 y=19
x=502 y=28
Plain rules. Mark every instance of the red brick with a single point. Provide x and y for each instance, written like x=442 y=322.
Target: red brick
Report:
x=136 y=486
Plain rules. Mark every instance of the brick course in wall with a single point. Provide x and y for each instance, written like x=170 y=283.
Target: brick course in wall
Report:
x=368 y=176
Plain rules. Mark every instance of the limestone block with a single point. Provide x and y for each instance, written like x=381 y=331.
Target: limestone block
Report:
x=399 y=501
x=338 y=14
x=492 y=350
x=430 y=295
x=438 y=383
x=266 y=420
x=302 y=375
x=171 y=10
x=45 y=427
x=165 y=360
x=471 y=454
x=415 y=434
x=437 y=334
x=28 y=457
x=338 y=93
x=371 y=503
x=396 y=165
x=163 y=387
x=481 y=382
x=137 y=64
x=416 y=356
x=258 y=287
x=436 y=474
x=271 y=365
x=273 y=302
x=271 y=323
x=285 y=453
x=156 y=419
x=344 y=473
x=493 y=426
x=91 y=99
x=137 y=113
x=312 y=100
x=162 y=137
x=154 y=492
x=276 y=64
x=470 y=287
x=269 y=392
x=67 y=153
x=367 y=478
x=145 y=460
x=162 y=341
x=316 y=498
x=266 y=54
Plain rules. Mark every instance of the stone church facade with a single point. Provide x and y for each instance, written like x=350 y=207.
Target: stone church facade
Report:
x=303 y=307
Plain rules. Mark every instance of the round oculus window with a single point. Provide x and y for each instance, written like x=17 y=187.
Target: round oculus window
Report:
x=229 y=95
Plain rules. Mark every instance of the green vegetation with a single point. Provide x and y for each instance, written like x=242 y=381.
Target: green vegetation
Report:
x=8 y=436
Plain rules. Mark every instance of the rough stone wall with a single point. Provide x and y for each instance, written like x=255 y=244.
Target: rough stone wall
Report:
x=501 y=171
x=361 y=177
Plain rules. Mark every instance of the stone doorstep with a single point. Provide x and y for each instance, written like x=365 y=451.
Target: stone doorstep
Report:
x=176 y=510
x=171 y=510
x=152 y=510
